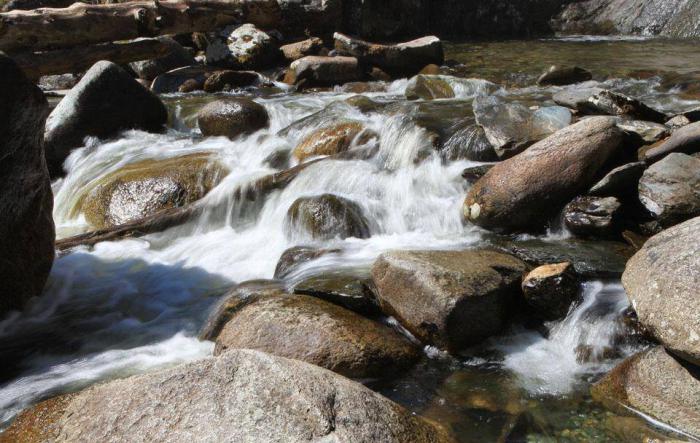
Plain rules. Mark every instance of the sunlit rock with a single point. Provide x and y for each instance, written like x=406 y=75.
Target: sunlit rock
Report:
x=313 y=71
x=242 y=47
x=295 y=51
x=685 y=140
x=449 y=299
x=662 y=282
x=563 y=75
x=325 y=217
x=551 y=289
x=232 y=118
x=428 y=87
x=332 y=140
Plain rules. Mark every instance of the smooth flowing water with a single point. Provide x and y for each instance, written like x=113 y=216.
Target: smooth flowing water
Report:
x=135 y=305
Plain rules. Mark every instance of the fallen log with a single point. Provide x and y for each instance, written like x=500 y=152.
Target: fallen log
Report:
x=84 y=24
x=81 y=58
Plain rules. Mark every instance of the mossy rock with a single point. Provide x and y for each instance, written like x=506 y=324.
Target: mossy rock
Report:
x=332 y=140
x=325 y=217
x=144 y=188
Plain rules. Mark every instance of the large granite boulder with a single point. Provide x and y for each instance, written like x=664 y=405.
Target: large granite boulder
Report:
x=668 y=18
x=401 y=59
x=670 y=189
x=243 y=395
x=105 y=101
x=318 y=332
x=143 y=188
x=242 y=47
x=325 y=217
x=314 y=70
x=26 y=202
x=524 y=191
x=662 y=282
x=232 y=118
x=656 y=384
x=450 y=299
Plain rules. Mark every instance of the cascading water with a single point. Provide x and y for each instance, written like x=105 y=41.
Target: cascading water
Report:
x=137 y=304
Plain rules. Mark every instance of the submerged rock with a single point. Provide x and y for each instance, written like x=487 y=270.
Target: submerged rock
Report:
x=450 y=299
x=242 y=395
x=670 y=189
x=656 y=384
x=295 y=51
x=428 y=87
x=105 y=101
x=242 y=47
x=226 y=80
x=326 y=217
x=563 y=75
x=296 y=256
x=317 y=332
x=525 y=191
x=551 y=289
x=26 y=202
x=141 y=189
x=685 y=140
x=592 y=216
x=313 y=71
x=186 y=79
x=232 y=117
x=332 y=140
x=662 y=282
x=399 y=59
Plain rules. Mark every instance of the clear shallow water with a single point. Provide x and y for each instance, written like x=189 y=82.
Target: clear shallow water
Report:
x=135 y=305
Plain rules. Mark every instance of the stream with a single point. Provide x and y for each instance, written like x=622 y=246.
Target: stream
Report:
x=135 y=305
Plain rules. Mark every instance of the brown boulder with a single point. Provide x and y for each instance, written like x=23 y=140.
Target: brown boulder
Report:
x=315 y=331
x=295 y=51
x=313 y=71
x=685 y=140
x=564 y=75
x=26 y=203
x=232 y=117
x=656 y=384
x=524 y=191
x=325 y=217
x=450 y=299
x=331 y=140
x=227 y=80
x=551 y=289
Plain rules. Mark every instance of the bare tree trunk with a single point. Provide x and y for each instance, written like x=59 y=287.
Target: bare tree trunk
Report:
x=83 y=24
x=81 y=58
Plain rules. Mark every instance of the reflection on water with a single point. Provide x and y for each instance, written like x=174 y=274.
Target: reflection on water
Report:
x=130 y=306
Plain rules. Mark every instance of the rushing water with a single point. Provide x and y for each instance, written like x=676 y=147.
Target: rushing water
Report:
x=131 y=306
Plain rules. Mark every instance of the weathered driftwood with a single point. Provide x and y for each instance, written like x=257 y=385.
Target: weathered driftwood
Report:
x=81 y=58
x=84 y=24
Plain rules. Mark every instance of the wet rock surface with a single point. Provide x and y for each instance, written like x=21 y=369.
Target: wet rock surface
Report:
x=428 y=87
x=325 y=217
x=349 y=288
x=227 y=80
x=26 y=203
x=563 y=75
x=178 y=57
x=295 y=51
x=144 y=188
x=315 y=331
x=313 y=70
x=301 y=401
x=685 y=140
x=105 y=101
x=449 y=299
x=332 y=139
x=592 y=216
x=661 y=281
x=232 y=117
x=551 y=289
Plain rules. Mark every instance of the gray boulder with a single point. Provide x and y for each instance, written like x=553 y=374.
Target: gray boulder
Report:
x=401 y=59
x=656 y=384
x=592 y=216
x=242 y=396
x=242 y=47
x=670 y=189
x=313 y=71
x=662 y=281
x=525 y=191
x=602 y=101
x=295 y=51
x=685 y=140
x=107 y=100
x=177 y=58
x=621 y=181
x=449 y=299
x=26 y=203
